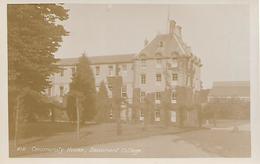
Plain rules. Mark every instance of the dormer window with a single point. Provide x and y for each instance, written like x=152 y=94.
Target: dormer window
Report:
x=161 y=44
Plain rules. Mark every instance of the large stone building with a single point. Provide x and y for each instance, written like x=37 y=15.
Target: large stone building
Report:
x=165 y=62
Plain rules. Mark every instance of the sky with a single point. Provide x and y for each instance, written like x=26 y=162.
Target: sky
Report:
x=218 y=34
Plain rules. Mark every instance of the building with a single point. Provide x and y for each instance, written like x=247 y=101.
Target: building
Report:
x=165 y=62
x=229 y=91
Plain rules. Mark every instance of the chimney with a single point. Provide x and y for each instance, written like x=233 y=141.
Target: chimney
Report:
x=178 y=31
x=172 y=26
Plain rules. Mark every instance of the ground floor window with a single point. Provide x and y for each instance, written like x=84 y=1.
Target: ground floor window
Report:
x=173 y=116
x=157 y=115
x=141 y=115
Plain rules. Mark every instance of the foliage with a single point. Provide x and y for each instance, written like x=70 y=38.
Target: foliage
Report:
x=83 y=82
x=238 y=110
x=33 y=38
x=103 y=105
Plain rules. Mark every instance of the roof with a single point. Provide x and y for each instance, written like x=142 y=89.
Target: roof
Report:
x=231 y=88
x=109 y=59
x=172 y=45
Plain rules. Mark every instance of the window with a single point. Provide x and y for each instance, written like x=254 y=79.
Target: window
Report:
x=110 y=87
x=174 y=76
x=143 y=79
x=111 y=114
x=173 y=97
x=97 y=70
x=158 y=77
x=124 y=91
x=61 y=91
x=161 y=44
x=142 y=96
x=141 y=115
x=97 y=88
x=157 y=96
x=143 y=63
x=110 y=70
x=157 y=115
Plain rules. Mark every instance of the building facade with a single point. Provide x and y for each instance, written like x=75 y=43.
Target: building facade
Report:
x=164 y=63
x=230 y=92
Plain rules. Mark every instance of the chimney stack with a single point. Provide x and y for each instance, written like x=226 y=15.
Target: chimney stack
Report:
x=172 y=26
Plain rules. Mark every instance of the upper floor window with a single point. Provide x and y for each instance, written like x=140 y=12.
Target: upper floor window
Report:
x=97 y=70
x=61 y=91
x=124 y=91
x=142 y=96
x=157 y=95
x=110 y=87
x=173 y=97
x=174 y=76
x=110 y=70
x=143 y=79
x=158 y=77
x=157 y=98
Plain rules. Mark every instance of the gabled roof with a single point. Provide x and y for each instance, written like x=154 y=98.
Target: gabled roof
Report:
x=109 y=59
x=171 y=44
x=230 y=88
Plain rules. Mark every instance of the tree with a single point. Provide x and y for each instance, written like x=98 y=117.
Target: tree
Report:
x=103 y=105
x=166 y=106
x=33 y=37
x=116 y=83
x=83 y=82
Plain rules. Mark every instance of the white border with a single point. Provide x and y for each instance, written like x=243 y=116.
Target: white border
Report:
x=254 y=77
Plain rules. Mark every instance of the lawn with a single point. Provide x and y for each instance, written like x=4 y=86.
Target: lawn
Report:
x=222 y=142
x=53 y=135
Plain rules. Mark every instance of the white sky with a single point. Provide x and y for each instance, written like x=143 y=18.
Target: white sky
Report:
x=218 y=34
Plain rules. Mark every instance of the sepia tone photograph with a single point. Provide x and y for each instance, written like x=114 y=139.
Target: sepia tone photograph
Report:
x=129 y=80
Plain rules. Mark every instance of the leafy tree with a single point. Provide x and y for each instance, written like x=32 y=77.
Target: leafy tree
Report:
x=103 y=105
x=83 y=82
x=33 y=37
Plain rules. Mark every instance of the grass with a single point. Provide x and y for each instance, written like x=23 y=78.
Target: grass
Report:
x=47 y=134
x=225 y=143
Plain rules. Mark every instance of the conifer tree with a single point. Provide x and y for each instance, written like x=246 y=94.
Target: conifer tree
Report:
x=83 y=84
x=103 y=105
